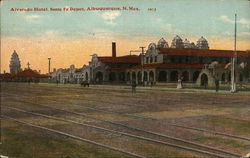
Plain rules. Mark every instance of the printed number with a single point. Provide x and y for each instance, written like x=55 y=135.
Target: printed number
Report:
x=151 y=9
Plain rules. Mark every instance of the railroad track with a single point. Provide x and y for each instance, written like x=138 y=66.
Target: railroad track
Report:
x=132 y=127
x=74 y=137
x=211 y=151
x=149 y=118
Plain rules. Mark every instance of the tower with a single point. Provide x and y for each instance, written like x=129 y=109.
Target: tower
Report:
x=15 y=65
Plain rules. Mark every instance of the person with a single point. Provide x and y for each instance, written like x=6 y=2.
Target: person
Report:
x=181 y=81
x=133 y=87
x=179 y=84
x=217 y=85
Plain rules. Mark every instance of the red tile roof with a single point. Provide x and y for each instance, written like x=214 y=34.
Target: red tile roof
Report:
x=118 y=68
x=169 y=65
x=203 y=52
x=124 y=59
x=6 y=76
x=28 y=73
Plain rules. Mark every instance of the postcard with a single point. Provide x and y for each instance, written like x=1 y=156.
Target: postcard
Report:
x=121 y=79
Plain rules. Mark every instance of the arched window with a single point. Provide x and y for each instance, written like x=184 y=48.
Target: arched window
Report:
x=204 y=80
x=241 y=77
x=139 y=77
x=151 y=76
x=86 y=76
x=145 y=76
x=195 y=75
x=112 y=76
x=162 y=76
x=185 y=76
x=174 y=76
x=122 y=76
x=128 y=76
x=223 y=77
x=151 y=59
x=133 y=76
x=99 y=77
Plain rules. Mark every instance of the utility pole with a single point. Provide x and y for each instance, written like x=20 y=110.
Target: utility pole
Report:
x=49 y=65
x=142 y=63
x=234 y=60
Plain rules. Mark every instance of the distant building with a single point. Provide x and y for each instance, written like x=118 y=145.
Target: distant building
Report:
x=193 y=63
x=15 y=65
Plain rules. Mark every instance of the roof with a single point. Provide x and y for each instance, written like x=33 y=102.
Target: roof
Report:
x=169 y=65
x=6 y=76
x=203 y=52
x=28 y=73
x=123 y=59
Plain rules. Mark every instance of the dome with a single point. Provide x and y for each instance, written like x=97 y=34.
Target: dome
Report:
x=187 y=44
x=15 y=65
x=162 y=43
x=202 y=43
x=151 y=46
x=192 y=45
x=177 y=42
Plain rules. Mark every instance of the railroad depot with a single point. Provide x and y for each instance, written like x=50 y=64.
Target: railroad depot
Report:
x=161 y=63
x=158 y=64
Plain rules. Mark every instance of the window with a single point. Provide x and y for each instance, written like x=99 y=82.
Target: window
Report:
x=155 y=58
x=151 y=59
x=146 y=59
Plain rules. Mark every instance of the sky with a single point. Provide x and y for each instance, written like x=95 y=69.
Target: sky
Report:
x=71 y=37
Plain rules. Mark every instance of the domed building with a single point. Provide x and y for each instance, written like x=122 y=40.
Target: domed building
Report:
x=192 y=45
x=152 y=46
x=15 y=65
x=202 y=43
x=162 y=43
x=177 y=42
x=186 y=43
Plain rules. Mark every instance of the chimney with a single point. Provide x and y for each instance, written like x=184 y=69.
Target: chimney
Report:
x=113 y=49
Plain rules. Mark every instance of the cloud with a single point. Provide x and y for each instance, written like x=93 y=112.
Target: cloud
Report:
x=245 y=22
x=242 y=21
x=109 y=17
x=170 y=29
x=244 y=34
x=32 y=17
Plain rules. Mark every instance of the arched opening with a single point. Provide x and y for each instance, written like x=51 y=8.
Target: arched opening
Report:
x=229 y=77
x=145 y=76
x=195 y=75
x=174 y=76
x=112 y=76
x=121 y=76
x=185 y=76
x=162 y=76
x=151 y=76
x=151 y=59
x=99 y=77
x=133 y=76
x=128 y=76
x=139 y=77
x=241 y=77
x=223 y=77
x=86 y=76
x=204 y=80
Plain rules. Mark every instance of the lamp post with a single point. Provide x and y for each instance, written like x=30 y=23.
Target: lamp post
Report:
x=234 y=60
x=142 y=63
x=49 y=65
